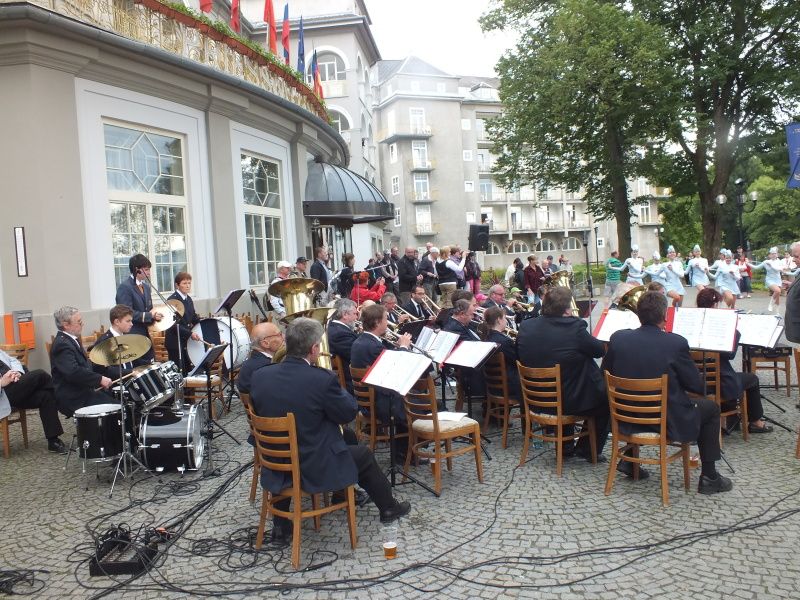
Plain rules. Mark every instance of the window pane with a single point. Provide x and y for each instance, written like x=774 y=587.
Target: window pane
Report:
x=160 y=225
x=176 y=220
x=137 y=160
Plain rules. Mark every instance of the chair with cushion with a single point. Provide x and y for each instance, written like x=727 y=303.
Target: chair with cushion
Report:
x=368 y=428
x=248 y=411
x=708 y=363
x=639 y=418
x=541 y=396
x=426 y=429
x=276 y=449
x=498 y=403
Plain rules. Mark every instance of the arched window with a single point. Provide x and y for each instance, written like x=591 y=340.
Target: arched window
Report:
x=339 y=121
x=571 y=243
x=492 y=249
x=331 y=67
x=545 y=245
x=518 y=247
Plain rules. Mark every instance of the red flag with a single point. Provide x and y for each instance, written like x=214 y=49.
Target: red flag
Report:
x=317 y=79
x=285 y=33
x=269 y=19
x=235 y=24
x=205 y=5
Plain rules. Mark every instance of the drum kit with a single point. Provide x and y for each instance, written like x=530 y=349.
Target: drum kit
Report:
x=140 y=431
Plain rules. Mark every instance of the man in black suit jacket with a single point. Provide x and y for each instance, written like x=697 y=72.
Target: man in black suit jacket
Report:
x=190 y=318
x=648 y=353
x=792 y=315
x=135 y=292
x=319 y=270
x=497 y=298
x=319 y=406
x=461 y=320
x=341 y=335
x=266 y=338
x=558 y=338
x=121 y=318
x=407 y=271
x=416 y=304
x=73 y=378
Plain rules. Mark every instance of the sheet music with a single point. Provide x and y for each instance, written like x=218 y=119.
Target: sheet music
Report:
x=437 y=343
x=397 y=370
x=470 y=354
x=450 y=416
x=759 y=330
x=706 y=328
x=613 y=321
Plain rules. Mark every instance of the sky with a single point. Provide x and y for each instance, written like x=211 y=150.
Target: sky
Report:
x=444 y=33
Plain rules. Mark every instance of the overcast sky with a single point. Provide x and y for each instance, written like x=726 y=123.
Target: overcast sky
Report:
x=444 y=33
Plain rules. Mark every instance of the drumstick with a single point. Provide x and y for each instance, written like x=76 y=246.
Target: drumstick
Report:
x=115 y=381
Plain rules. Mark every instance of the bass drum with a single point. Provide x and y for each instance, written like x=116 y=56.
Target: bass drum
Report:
x=173 y=439
x=239 y=339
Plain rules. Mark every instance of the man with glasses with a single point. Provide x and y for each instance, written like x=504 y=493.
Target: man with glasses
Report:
x=266 y=339
x=341 y=335
x=416 y=304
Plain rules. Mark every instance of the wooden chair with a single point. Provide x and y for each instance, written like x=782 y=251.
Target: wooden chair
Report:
x=425 y=428
x=87 y=341
x=498 y=402
x=541 y=396
x=642 y=403
x=18 y=415
x=248 y=410
x=195 y=389
x=708 y=363
x=159 y=349
x=775 y=362
x=18 y=351
x=276 y=449
x=367 y=426
x=338 y=369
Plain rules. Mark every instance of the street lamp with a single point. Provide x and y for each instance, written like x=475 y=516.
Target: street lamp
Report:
x=745 y=203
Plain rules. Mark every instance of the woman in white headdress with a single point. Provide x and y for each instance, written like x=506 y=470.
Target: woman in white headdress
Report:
x=773 y=266
x=635 y=266
x=656 y=270
x=727 y=276
x=673 y=271
x=698 y=269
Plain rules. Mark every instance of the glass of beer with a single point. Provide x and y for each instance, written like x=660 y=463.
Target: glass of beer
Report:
x=390 y=541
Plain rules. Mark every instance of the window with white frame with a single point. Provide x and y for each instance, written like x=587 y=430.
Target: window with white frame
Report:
x=518 y=247
x=147 y=202
x=466 y=124
x=339 y=121
x=470 y=216
x=421 y=186
x=492 y=249
x=416 y=118
x=484 y=162
x=485 y=189
x=571 y=243
x=331 y=67
x=469 y=186
x=392 y=153
x=644 y=213
x=480 y=129
x=261 y=191
x=423 y=215
x=419 y=153
x=395 y=185
x=545 y=245
x=467 y=154
x=397 y=222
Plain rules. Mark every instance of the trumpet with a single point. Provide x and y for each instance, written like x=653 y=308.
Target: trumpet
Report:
x=400 y=313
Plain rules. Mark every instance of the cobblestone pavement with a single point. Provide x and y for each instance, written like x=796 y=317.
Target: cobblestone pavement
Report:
x=523 y=533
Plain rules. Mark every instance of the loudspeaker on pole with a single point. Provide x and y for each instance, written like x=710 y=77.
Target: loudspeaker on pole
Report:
x=478 y=237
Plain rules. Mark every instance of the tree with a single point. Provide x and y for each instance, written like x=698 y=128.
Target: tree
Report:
x=681 y=218
x=733 y=73
x=776 y=217
x=582 y=93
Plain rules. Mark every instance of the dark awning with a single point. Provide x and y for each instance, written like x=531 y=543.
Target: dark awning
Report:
x=340 y=196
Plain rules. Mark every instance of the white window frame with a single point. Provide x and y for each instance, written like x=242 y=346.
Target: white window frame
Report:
x=469 y=186
x=644 y=209
x=419 y=152
x=540 y=245
x=262 y=213
x=416 y=118
x=571 y=241
x=424 y=181
x=467 y=155
x=492 y=249
x=395 y=185
x=397 y=220
x=470 y=216
x=517 y=247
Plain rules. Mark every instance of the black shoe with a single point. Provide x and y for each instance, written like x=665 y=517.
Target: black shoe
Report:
x=587 y=456
x=714 y=486
x=56 y=446
x=361 y=497
x=280 y=536
x=399 y=509
x=626 y=468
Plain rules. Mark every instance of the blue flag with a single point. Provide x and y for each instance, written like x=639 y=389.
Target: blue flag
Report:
x=793 y=142
x=301 y=50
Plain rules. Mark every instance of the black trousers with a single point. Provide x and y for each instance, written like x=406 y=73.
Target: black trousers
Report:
x=752 y=390
x=601 y=424
x=370 y=478
x=708 y=438
x=35 y=390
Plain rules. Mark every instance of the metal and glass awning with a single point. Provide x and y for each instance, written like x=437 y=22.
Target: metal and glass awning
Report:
x=340 y=196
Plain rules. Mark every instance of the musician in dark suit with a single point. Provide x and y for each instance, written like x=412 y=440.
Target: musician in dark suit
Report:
x=266 y=338
x=190 y=318
x=650 y=352
x=792 y=315
x=319 y=270
x=416 y=304
x=558 y=338
x=121 y=318
x=135 y=292
x=497 y=298
x=341 y=335
x=394 y=316
x=73 y=378
x=461 y=320
x=319 y=406
x=493 y=330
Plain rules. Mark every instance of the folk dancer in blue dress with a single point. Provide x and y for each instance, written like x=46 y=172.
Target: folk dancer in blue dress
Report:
x=673 y=271
x=635 y=266
x=698 y=269
x=774 y=267
x=727 y=276
x=656 y=270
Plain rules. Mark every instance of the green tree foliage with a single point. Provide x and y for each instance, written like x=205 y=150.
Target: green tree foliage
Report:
x=582 y=93
x=776 y=217
x=681 y=218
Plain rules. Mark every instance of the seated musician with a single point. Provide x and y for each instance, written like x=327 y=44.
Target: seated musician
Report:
x=362 y=291
x=446 y=314
x=364 y=352
x=73 y=378
x=559 y=338
x=282 y=271
x=416 y=304
x=497 y=299
x=266 y=338
x=341 y=335
x=650 y=352
x=493 y=330
x=24 y=390
x=733 y=384
x=319 y=406
x=389 y=302
x=462 y=320
x=121 y=318
x=190 y=318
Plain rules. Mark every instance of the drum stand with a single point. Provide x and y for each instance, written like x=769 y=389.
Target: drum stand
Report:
x=208 y=360
x=127 y=458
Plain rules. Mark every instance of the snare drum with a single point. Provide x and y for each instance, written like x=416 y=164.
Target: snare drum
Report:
x=239 y=339
x=99 y=431
x=172 y=374
x=172 y=440
x=149 y=387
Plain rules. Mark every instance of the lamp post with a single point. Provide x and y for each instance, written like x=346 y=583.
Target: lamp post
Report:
x=745 y=203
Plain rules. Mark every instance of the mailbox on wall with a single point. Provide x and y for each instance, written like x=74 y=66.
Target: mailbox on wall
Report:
x=19 y=328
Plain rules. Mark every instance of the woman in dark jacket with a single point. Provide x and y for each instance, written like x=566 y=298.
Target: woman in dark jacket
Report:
x=534 y=277
x=346 y=283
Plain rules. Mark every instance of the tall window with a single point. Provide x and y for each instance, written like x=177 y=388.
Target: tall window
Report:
x=644 y=213
x=571 y=243
x=339 y=121
x=421 y=186
x=545 y=245
x=417 y=119
x=492 y=249
x=392 y=153
x=419 y=152
x=423 y=214
x=397 y=221
x=485 y=190
x=261 y=191
x=331 y=67
x=518 y=247
x=144 y=174
x=395 y=185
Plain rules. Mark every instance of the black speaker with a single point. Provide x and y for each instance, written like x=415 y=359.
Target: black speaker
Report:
x=478 y=237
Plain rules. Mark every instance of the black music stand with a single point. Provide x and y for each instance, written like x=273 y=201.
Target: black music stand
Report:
x=204 y=365
x=393 y=466
x=227 y=305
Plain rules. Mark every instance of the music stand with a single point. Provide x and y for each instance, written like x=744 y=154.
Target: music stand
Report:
x=227 y=305
x=204 y=365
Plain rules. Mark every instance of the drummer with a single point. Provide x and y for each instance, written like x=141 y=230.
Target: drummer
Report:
x=183 y=285
x=121 y=318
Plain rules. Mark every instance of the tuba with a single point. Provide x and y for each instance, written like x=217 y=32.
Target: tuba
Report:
x=562 y=279
x=630 y=299
x=298 y=298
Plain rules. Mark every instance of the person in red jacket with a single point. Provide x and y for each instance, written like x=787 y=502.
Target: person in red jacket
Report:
x=362 y=291
x=534 y=277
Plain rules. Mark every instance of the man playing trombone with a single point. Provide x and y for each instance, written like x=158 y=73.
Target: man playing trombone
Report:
x=417 y=306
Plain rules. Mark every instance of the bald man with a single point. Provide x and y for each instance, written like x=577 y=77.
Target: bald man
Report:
x=407 y=271
x=266 y=339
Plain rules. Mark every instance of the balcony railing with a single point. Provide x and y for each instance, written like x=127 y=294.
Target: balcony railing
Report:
x=421 y=165
x=523 y=226
x=485 y=166
x=428 y=196
x=335 y=88
x=406 y=132
x=426 y=228
x=163 y=27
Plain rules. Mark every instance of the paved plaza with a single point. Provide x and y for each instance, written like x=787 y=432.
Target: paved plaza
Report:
x=523 y=533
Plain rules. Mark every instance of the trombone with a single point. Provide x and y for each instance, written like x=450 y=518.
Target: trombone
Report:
x=399 y=312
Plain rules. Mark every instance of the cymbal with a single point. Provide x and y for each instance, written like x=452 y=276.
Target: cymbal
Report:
x=120 y=349
x=294 y=286
x=168 y=318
